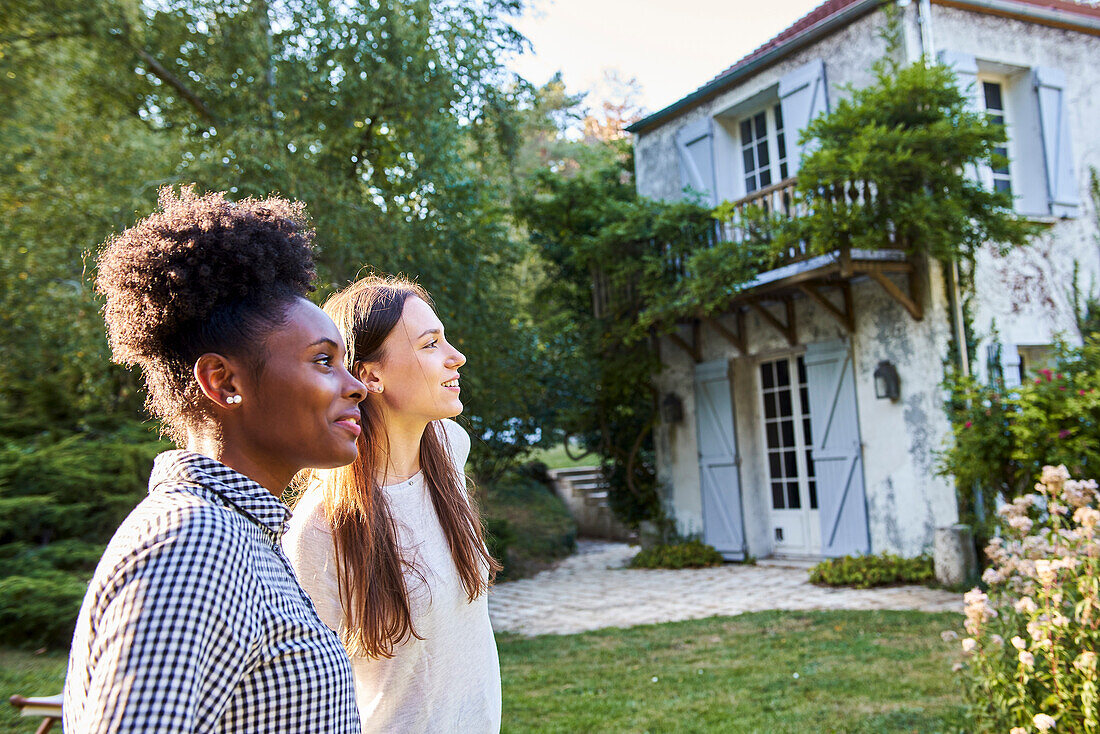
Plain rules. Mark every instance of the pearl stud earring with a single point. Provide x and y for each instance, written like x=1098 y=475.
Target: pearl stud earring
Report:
x=234 y=399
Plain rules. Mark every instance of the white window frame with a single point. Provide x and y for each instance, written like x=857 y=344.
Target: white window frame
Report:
x=986 y=174
x=776 y=163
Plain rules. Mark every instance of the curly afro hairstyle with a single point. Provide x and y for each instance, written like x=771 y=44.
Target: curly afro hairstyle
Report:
x=199 y=275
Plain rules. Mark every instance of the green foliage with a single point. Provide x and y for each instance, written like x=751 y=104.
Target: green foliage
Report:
x=394 y=121
x=890 y=170
x=527 y=525
x=863 y=572
x=692 y=553
x=1002 y=439
x=580 y=221
x=40 y=611
x=72 y=487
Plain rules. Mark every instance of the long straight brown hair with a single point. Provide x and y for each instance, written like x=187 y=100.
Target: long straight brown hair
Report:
x=370 y=568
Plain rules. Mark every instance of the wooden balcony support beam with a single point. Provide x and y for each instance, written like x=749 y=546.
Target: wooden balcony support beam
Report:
x=692 y=348
x=844 y=316
x=736 y=339
x=905 y=299
x=788 y=329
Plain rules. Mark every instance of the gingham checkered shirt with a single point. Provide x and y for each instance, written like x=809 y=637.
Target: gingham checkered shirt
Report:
x=194 y=620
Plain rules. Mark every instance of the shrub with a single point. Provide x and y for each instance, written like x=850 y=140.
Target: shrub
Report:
x=684 y=554
x=863 y=572
x=1033 y=639
x=527 y=527
x=1002 y=438
x=40 y=611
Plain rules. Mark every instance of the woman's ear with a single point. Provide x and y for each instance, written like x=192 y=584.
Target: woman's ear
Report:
x=370 y=374
x=218 y=379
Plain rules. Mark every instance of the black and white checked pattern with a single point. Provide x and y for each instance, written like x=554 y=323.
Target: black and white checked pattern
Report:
x=195 y=621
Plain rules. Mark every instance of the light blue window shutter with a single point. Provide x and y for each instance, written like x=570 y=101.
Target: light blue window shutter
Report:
x=718 y=463
x=1050 y=87
x=837 y=454
x=695 y=146
x=965 y=67
x=802 y=97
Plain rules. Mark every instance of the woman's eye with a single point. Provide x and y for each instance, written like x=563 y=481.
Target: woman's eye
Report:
x=324 y=359
x=432 y=344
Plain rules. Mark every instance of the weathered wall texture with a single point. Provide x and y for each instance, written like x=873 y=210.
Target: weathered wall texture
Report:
x=905 y=499
x=848 y=53
x=1026 y=294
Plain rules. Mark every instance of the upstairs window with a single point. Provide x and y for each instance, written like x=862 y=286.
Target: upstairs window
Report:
x=994 y=100
x=763 y=149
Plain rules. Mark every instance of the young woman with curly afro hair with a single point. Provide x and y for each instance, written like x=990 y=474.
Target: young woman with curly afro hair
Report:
x=194 y=620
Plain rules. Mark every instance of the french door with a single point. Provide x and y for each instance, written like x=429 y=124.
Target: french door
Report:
x=788 y=437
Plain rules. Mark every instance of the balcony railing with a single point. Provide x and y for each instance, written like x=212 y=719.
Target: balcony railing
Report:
x=744 y=224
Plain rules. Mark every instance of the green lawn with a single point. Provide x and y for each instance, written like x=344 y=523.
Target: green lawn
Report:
x=556 y=458
x=857 y=672
x=870 y=672
x=31 y=675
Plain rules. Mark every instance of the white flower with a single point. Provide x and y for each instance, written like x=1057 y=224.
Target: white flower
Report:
x=1026 y=605
x=1043 y=722
x=1017 y=730
x=969 y=645
x=1027 y=658
x=997 y=640
x=1019 y=642
x=949 y=635
x=1086 y=661
x=1021 y=523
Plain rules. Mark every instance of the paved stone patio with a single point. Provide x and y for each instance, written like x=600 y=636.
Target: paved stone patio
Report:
x=592 y=589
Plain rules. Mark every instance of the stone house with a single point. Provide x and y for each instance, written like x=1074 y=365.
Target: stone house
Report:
x=805 y=420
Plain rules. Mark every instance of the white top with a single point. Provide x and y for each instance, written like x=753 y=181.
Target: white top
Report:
x=450 y=680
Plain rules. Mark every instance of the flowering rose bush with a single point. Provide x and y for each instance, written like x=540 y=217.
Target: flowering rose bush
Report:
x=1031 y=649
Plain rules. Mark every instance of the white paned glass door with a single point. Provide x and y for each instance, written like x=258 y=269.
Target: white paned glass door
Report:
x=795 y=522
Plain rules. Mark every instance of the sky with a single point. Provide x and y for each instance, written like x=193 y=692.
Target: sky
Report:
x=671 y=47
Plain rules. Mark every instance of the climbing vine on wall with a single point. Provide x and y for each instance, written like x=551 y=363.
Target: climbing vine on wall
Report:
x=886 y=168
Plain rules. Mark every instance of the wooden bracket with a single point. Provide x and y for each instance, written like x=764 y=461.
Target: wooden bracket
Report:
x=736 y=339
x=788 y=329
x=694 y=348
x=911 y=305
x=844 y=316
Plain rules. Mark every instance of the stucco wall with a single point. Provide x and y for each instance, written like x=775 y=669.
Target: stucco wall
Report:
x=848 y=53
x=905 y=499
x=1026 y=294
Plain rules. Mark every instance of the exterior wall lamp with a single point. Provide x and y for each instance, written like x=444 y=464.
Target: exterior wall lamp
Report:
x=672 y=409
x=887 y=382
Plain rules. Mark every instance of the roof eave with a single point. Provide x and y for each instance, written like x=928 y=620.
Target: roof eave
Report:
x=771 y=56
x=1046 y=15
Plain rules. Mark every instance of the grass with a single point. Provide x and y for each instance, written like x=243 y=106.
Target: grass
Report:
x=859 y=672
x=31 y=675
x=556 y=458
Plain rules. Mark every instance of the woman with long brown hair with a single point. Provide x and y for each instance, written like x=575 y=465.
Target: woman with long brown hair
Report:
x=390 y=548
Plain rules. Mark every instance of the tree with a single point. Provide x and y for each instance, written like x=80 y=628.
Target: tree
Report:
x=380 y=115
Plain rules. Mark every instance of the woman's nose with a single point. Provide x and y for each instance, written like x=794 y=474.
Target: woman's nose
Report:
x=354 y=388
x=457 y=359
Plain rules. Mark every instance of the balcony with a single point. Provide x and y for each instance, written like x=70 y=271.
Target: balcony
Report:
x=796 y=273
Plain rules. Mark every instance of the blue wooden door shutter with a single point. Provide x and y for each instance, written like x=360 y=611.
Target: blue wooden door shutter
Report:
x=837 y=454
x=695 y=147
x=803 y=95
x=1050 y=87
x=718 y=462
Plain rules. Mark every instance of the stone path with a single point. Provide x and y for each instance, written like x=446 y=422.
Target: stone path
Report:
x=591 y=590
